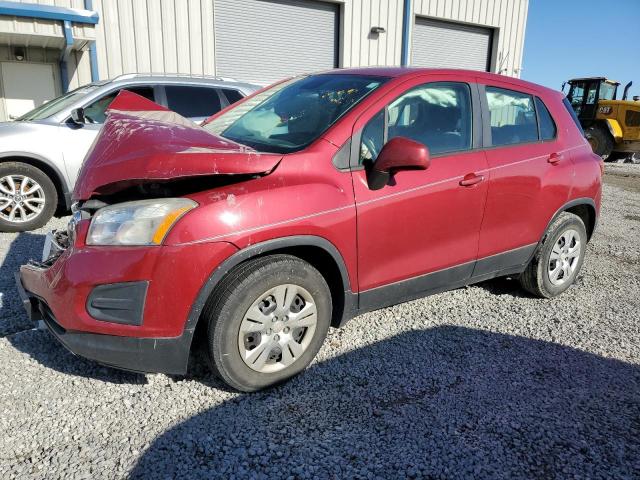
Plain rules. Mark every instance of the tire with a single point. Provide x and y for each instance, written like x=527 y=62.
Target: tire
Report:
x=33 y=210
x=600 y=140
x=537 y=278
x=238 y=357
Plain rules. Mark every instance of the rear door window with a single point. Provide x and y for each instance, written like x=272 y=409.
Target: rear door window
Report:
x=95 y=112
x=545 y=120
x=192 y=102
x=513 y=117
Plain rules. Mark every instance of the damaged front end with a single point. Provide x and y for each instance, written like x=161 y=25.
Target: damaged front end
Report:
x=146 y=151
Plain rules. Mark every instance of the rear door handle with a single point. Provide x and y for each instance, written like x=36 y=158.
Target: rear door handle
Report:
x=471 y=179
x=554 y=158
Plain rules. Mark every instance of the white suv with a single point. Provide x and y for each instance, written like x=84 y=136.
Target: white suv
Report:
x=41 y=152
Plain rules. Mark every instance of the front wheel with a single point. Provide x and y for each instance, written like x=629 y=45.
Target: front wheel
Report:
x=559 y=259
x=28 y=198
x=267 y=321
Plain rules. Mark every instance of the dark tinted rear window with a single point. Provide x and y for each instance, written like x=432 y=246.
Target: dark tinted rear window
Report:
x=573 y=114
x=232 y=95
x=193 y=101
x=547 y=125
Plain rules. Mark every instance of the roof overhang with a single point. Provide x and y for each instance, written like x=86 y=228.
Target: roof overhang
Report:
x=46 y=26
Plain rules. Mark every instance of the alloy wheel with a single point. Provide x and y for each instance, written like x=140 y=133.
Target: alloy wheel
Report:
x=21 y=198
x=277 y=328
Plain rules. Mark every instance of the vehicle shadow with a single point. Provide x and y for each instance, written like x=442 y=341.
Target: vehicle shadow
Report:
x=40 y=345
x=447 y=402
x=24 y=247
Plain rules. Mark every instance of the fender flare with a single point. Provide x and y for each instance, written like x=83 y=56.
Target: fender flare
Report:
x=260 y=249
x=614 y=129
x=571 y=203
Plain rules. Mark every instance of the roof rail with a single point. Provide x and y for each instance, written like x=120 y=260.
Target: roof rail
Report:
x=125 y=76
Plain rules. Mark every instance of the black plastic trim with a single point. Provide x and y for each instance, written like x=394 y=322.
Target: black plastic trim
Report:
x=513 y=261
x=118 y=302
x=416 y=287
x=573 y=203
x=350 y=299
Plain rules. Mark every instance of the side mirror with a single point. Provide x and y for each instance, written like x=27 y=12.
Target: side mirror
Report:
x=399 y=153
x=77 y=115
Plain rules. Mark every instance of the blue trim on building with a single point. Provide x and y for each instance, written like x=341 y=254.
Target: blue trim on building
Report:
x=93 y=52
x=48 y=12
x=64 y=56
x=406 y=28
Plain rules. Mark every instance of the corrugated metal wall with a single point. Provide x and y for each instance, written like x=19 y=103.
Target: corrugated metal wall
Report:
x=508 y=17
x=178 y=35
x=358 y=46
x=170 y=36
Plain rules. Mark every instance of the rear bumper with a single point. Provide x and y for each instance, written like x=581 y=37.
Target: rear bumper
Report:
x=160 y=355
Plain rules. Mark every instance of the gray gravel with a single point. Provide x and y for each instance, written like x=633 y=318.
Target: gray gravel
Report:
x=481 y=382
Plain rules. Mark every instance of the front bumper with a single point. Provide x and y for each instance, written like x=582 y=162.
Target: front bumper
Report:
x=58 y=295
x=160 y=355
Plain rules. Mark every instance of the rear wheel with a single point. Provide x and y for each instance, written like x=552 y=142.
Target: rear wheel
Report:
x=28 y=197
x=600 y=140
x=557 y=262
x=267 y=321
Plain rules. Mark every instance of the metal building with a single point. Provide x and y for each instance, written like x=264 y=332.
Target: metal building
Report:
x=50 y=46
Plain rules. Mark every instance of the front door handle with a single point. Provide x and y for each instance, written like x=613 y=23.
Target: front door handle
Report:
x=554 y=158
x=471 y=179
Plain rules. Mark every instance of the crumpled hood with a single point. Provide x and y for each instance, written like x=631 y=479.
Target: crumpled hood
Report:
x=142 y=142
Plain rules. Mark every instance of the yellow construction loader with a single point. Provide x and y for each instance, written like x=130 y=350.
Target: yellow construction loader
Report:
x=611 y=126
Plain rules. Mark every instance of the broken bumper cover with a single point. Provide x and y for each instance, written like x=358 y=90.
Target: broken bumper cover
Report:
x=62 y=295
x=159 y=355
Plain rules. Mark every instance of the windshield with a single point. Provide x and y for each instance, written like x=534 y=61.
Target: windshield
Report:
x=291 y=115
x=57 y=104
x=607 y=91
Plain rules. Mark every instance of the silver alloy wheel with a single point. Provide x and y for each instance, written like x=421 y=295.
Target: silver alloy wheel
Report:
x=277 y=328
x=564 y=257
x=21 y=198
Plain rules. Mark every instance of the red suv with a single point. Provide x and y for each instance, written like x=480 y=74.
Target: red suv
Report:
x=310 y=202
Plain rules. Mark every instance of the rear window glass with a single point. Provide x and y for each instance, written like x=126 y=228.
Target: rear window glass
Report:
x=193 y=102
x=513 y=117
x=547 y=125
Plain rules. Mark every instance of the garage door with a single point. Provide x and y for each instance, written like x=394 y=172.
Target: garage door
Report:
x=26 y=86
x=263 y=41
x=439 y=44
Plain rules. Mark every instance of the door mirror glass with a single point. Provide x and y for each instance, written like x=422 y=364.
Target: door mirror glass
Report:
x=77 y=115
x=399 y=153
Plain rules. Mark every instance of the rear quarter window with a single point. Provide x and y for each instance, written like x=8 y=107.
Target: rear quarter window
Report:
x=569 y=108
x=545 y=121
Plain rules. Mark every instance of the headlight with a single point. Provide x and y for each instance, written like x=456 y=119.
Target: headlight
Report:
x=144 y=222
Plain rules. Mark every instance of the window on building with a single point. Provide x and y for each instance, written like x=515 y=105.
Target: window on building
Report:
x=513 y=117
x=437 y=115
x=192 y=102
x=95 y=112
x=547 y=125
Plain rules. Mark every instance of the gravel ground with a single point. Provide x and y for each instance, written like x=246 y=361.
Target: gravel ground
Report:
x=481 y=382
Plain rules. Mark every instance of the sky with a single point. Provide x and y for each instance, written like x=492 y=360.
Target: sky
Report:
x=582 y=38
